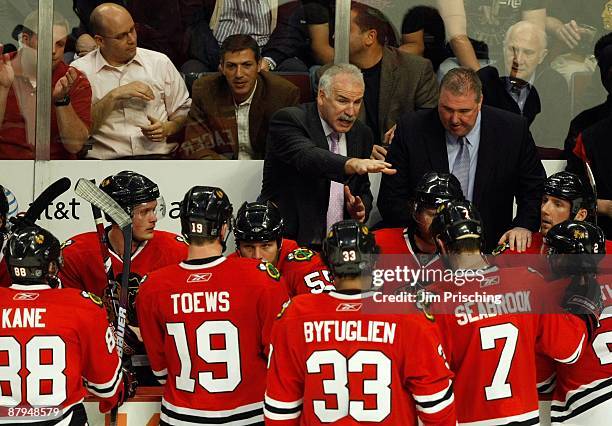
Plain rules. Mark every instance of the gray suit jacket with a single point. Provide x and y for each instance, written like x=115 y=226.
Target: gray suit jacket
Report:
x=407 y=83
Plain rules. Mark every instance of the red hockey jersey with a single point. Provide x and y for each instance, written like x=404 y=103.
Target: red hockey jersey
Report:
x=397 y=241
x=305 y=272
x=287 y=246
x=333 y=363
x=83 y=267
x=583 y=391
x=492 y=344
x=56 y=344
x=206 y=329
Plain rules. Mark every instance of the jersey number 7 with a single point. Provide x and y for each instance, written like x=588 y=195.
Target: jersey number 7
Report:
x=499 y=388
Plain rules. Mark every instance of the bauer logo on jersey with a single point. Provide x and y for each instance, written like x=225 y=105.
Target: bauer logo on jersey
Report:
x=348 y=307
x=300 y=255
x=26 y=296
x=270 y=269
x=201 y=277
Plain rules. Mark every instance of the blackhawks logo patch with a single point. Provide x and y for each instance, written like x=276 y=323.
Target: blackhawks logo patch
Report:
x=300 y=255
x=92 y=297
x=66 y=244
x=270 y=269
x=500 y=249
x=283 y=309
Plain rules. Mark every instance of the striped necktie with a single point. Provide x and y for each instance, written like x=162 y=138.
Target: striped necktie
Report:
x=461 y=168
x=335 y=207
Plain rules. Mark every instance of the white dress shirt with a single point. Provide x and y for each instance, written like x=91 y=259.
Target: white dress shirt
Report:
x=120 y=135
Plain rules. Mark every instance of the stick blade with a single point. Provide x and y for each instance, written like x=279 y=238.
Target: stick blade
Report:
x=94 y=195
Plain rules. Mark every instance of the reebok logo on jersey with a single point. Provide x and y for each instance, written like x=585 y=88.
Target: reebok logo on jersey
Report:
x=490 y=281
x=348 y=307
x=26 y=296
x=199 y=278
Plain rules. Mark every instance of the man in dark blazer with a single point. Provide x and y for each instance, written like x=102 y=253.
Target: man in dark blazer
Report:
x=230 y=112
x=489 y=150
x=317 y=159
x=396 y=82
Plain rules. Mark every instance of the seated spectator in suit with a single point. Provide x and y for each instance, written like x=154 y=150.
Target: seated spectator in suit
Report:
x=529 y=87
x=489 y=150
x=268 y=22
x=395 y=82
x=423 y=34
x=317 y=159
x=230 y=111
x=71 y=97
x=139 y=98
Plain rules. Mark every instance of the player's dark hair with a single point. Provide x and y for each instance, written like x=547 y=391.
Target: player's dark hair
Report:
x=238 y=42
x=369 y=18
x=467 y=245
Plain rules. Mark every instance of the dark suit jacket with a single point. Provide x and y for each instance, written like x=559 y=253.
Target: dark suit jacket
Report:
x=299 y=167
x=547 y=108
x=211 y=131
x=407 y=83
x=508 y=166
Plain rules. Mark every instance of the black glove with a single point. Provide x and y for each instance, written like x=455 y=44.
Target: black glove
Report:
x=583 y=298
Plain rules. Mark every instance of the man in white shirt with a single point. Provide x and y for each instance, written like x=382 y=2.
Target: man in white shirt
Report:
x=139 y=98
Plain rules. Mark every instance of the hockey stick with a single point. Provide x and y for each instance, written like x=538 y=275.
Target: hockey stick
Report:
x=589 y=173
x=43 y=201
x=102 y=201
x=106 y=260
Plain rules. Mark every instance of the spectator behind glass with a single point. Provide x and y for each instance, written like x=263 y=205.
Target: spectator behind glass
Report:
x=71 y=97
x=270 y=24
x=320 y=18
x=423 y=34
x=486 y=22
x=395 y=82
x=530 y=87
x=230 y=112
x=575 y=28
x=139 y=98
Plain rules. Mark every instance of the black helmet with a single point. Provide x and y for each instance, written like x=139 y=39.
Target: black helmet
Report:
x=204 y=211
x=457 y=220
x=349 y=249
x=4 y=205
x=4 y=208
x=29 y=252
x=571 y=187
x=583 y=240
x=258 y=222
x=435 y=189
x=130 y=189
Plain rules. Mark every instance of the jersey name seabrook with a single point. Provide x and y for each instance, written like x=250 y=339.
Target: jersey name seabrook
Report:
x=350 y=331
x=200 y=301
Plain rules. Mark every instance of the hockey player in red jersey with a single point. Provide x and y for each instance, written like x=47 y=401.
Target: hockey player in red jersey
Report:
x=5 y=279
x=258 y=234
x=333 y=363
x=566 y=197
x=151 y=249
x=433 y=190
x=206 y=321
x=582 y=392
x=56 y=343
x=492 y=344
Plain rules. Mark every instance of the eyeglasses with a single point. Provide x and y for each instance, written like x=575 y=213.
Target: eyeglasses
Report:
x=122 y=36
